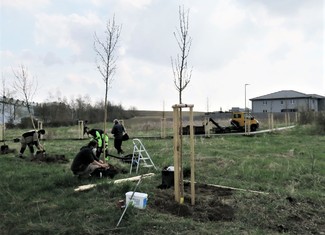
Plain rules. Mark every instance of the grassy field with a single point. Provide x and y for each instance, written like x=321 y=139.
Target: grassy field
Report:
x=287 y=167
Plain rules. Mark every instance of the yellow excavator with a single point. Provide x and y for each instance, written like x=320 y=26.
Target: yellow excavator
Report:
x=239 y=119
x=237 y=124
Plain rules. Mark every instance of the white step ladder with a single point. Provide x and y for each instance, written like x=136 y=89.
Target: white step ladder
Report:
x=137 y=156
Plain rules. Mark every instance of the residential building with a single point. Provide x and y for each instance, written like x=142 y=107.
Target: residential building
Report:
x=12 y=110
x=288 y=101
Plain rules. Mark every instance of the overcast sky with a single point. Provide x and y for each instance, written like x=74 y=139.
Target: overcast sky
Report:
x=271 y=45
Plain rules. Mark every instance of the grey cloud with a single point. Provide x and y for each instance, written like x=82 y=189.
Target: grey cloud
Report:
x=280 y=53
x=280 y=7
x=151 y=38
x=51 y=58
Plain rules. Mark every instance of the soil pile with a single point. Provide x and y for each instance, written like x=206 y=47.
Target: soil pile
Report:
x=45 y=157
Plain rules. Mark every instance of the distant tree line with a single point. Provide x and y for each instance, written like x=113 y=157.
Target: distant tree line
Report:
x=64 y=113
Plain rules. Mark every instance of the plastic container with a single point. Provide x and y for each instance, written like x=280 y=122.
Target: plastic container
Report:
x=139 y=200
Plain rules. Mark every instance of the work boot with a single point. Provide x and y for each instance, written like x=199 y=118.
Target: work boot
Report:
x=20 y=155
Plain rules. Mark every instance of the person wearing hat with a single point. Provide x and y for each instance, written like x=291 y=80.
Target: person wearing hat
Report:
x=31 y=138
x=118 y=131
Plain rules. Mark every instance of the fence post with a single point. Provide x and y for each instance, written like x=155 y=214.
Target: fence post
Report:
x=40 y=126
x=163 y=128
x=2 y=132
x=80 y=130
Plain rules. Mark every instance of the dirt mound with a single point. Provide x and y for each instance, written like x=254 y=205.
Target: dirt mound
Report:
x=48 y=158
x=4 y=149
x=289 y=214
x=210 y=204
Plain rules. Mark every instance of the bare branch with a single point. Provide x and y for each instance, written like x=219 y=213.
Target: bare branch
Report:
x=26 y=87
x=182 y=76
x=106 y=62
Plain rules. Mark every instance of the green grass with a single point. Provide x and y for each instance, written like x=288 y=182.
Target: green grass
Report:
x=39 y=198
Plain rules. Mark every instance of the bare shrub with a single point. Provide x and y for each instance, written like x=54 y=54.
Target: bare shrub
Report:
x=320 y=123
x=316 y=119
x=306 y=117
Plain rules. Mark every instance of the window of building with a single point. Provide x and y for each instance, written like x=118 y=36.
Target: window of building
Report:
x=292 y=101
x=289 y=110
x=264 y=111
x=282 y=102
x=264 y=102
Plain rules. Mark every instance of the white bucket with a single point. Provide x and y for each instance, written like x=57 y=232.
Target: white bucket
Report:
x=139 y=200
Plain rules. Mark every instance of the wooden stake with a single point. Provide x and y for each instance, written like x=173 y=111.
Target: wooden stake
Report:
x=192 y=157
x=178 y=168
x=176 y=154
x=232 y=188
x=163 y=128
x=135 y=178
x=80 y=129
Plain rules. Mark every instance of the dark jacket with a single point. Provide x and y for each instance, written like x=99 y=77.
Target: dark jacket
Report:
x=82 y=160
x=117 y=131
x=30 y=133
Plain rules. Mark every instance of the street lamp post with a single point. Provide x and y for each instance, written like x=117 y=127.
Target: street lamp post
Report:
x=245 y=108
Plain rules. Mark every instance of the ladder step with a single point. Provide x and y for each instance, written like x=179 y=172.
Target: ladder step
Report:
x=137 y=152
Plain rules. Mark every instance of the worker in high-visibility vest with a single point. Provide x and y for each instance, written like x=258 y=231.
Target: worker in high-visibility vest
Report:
x=100 y=137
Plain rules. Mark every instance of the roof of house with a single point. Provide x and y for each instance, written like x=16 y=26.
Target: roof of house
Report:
x=287 y=94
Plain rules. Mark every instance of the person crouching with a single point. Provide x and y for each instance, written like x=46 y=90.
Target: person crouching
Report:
x=85 y=163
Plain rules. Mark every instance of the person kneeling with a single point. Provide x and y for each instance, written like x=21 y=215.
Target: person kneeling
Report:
x=85 y=163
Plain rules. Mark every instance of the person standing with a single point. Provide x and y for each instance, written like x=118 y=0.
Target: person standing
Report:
x=86 y=129
x=85 y=163
x=117 y=131
x=31 y=138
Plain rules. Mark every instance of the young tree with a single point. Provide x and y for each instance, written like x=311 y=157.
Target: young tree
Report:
x=106 y=58
x=25 y=86
x=182 y=74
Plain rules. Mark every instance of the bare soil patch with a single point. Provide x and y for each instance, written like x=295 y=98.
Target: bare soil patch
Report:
x=49 y=158
x=210 y=203
x=291 y=215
